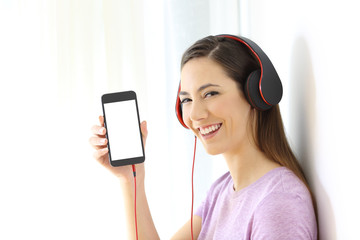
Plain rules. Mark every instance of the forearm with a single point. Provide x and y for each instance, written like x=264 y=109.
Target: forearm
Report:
x=145 y=224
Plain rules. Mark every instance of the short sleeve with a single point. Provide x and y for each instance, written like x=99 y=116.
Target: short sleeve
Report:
x=200 y=209
x=216 y=188
x=284 y=216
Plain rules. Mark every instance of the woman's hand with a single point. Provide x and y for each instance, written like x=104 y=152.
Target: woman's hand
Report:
x=99 y=142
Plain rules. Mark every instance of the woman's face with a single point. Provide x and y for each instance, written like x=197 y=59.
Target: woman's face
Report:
x=213 y=107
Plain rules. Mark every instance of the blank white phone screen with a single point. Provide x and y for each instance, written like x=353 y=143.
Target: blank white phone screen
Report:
x=123 y=130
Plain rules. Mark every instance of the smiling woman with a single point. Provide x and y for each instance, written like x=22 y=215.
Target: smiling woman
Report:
x=264 y=194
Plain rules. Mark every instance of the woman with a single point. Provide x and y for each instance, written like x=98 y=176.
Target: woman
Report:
x=264 y=195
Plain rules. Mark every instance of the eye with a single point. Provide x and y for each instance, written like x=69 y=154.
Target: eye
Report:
x=185 y=100
x=210 y=94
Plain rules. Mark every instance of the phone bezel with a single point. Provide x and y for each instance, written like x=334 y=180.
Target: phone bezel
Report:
x=119 y=97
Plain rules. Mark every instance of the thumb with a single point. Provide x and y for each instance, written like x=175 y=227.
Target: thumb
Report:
x=144 y=131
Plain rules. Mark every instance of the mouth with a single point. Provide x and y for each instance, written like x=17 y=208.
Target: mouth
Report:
x=210 y=130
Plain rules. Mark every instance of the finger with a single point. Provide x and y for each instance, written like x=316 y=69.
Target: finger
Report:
x=97 y=142
x=98 y=130
x=101 y=120
x=144 y=131
x=143 y=126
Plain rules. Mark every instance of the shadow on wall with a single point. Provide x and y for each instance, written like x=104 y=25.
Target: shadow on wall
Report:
x=303 y=130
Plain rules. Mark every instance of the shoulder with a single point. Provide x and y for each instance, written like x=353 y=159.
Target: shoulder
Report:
x=285 y=210
x=217 y=191
x=281 y=180
x=221 y=184
x=214 y=194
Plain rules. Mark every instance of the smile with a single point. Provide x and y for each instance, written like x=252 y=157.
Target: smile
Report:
x=210 y=130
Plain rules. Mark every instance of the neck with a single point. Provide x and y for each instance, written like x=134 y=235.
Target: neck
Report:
x=247 y=165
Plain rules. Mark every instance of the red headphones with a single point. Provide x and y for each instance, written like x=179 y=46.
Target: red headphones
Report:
x=263 y=88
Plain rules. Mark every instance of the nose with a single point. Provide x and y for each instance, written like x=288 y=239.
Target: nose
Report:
x=198 y=111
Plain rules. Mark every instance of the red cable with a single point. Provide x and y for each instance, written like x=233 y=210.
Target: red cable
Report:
x=192 y=189
x=134 y=172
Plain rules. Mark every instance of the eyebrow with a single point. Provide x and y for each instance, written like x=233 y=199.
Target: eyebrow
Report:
x=200 y=88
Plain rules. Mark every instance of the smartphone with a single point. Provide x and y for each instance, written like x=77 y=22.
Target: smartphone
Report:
x=122 y=123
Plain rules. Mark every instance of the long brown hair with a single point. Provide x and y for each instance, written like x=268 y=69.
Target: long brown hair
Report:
x=238 y=62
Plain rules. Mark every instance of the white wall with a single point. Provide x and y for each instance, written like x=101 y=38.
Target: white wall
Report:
x=56 y=59
x=314 y=45
x=50 y=83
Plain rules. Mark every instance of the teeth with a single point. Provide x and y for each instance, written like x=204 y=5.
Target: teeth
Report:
x=209 y=129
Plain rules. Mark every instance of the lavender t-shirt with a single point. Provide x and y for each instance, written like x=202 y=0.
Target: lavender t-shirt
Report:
x=276 y=206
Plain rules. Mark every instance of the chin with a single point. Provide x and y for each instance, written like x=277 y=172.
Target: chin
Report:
x=211 y=148
x=212 y=151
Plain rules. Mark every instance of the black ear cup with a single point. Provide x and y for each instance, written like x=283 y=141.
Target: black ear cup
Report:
x=252 y=91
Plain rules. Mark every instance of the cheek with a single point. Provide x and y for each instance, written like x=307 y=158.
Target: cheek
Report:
x=237 y=114
x=225 y=108
x=186 y=116
x=217 y=108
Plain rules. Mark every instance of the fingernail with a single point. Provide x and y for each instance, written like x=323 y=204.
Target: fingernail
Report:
x=101 y=130
x=103 y=140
